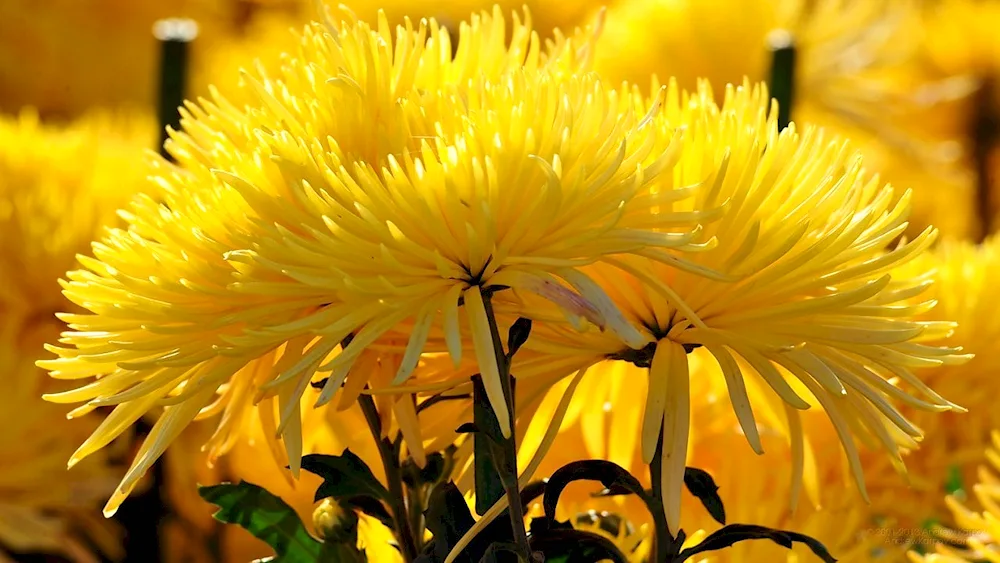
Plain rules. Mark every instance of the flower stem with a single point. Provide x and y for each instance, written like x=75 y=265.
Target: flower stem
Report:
x=507 y=468
x=393 y=477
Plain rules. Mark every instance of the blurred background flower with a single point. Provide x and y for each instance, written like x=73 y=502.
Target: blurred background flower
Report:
x=912 y=84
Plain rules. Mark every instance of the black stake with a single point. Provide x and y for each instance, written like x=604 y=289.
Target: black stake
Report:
x=782 y=83
x=175 y=36
x=985 y=134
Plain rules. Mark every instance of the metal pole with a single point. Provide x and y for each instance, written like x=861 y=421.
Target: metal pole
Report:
x=782 y=83
x=175 y=36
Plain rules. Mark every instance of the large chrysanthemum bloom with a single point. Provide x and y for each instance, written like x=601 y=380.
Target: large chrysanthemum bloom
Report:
x=44 y=509
x=976 y=534
x=803 y=241
x=964 y=278
x=207 y=304
x=59 y=185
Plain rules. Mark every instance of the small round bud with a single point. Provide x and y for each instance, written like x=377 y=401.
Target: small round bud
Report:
x=335 y=524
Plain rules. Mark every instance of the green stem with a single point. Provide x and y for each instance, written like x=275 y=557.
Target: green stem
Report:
x=507 y=468
x=394 y=479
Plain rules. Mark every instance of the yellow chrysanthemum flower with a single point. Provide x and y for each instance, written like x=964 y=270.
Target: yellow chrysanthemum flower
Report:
x=44 y=509
x=964 y=277
x=58 y=187
x=265 y=276
x=977 y=534
x=807 y=294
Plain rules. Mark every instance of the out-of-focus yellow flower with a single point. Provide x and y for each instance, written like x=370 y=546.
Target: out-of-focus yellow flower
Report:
x=960 y=36
x=858 y=71
x=964 y=281
x=806 y=288
x=266 y=277
x=265 y=39
x=66 y=56
x=58 y=187
x=976 y=535
x=545 y=15
x=44 y=508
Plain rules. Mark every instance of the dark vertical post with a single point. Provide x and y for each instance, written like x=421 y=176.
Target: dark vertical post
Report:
x=175 y=36
x=782 y=83
x=985 y=133
x=143 y=514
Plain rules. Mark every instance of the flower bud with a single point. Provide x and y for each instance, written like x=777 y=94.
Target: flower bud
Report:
x=334 y=523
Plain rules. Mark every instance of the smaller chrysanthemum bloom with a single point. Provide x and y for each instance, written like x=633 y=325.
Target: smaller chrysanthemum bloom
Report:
x=975 y=535
x=964 y=275
x=808 y=293
x=186 y=311
x=59 y=186
x=44 y=509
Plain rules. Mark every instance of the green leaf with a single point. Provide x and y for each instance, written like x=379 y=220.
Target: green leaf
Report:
x=344 y=476
x=701 y=485
x=500 y=552
x=448 y=518
x=733 y=533
x=267 y=517
x=609 y=474
x=489 y=487
x=517 y=336
x=566 y=545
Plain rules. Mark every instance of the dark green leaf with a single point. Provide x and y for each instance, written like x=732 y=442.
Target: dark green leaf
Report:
x=344 y=476
x=489 y=487
x=703 y=486
x=429 y=474
x=734 y=533
x=517 y=336
x=532 y=491
x=500 y=552
x=562 y=545
x=467 y=428
x=370 y=506
x=448 y=518
x=609 y=474
x=265 y=516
